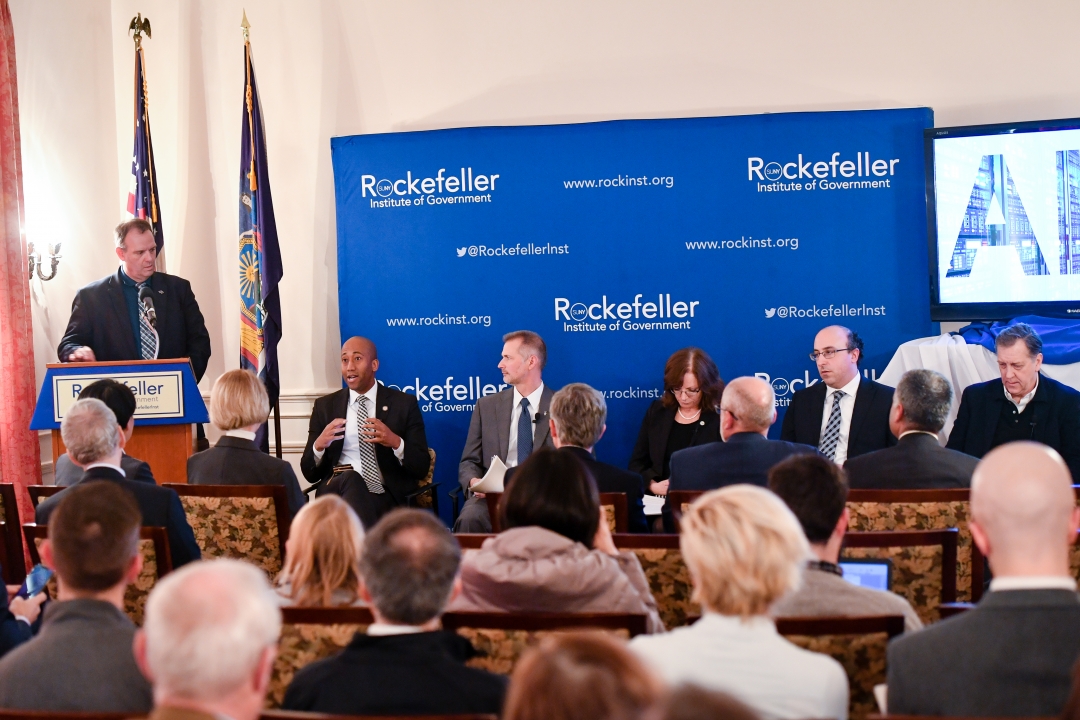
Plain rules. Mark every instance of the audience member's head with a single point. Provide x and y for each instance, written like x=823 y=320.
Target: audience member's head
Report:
x=580 y=676
x=747 y=405
x=692 y=702
x=238 y=400
x=93 y=542
x=1023 y=510
x=555 y=491
x=1019 y=358
x=816 y=490
x=210 y=638
x=921 y=402
x=692 y=369
x=744 y=550
x=118 y=397
x=90 y=433
x=410 y=568
x=322 y=554
x=578 y=416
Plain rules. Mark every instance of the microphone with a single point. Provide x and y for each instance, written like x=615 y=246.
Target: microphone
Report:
x=539 y=417
x=146 y=297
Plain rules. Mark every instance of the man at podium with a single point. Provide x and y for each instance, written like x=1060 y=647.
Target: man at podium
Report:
x=136 y=313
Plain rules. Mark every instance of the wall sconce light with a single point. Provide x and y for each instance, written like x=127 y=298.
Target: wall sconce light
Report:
x=35 y=260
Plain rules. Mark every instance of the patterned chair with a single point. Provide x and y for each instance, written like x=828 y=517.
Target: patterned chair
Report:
x=922 y=510
x=11 y=553
x=501 y=638
x=310 y=634
x=427 y=496
x=41 y=492
x=248 y=522
x=615 y=508
x=923 y=561
x=157 y=562
x=661 y=559
x=679 y=501
x=856 y=643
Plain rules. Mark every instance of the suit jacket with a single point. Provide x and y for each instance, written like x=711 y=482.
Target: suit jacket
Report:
x=745 y=458
x=160 y=507
x=401 y=413
x=489 y=432
x=417 y=674
x=164 y=712
x=67 y=473
x=869 y=418
x=917 y=462
x=1010 y=656
x=647 y=457
x=100 y=320
x=237 y=461
x=1056 y=414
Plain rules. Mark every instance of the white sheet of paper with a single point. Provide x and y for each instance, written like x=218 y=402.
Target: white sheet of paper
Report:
x=653 y=504
x=493 y=478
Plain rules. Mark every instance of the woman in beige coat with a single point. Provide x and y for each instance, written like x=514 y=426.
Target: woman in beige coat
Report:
x=556 y=554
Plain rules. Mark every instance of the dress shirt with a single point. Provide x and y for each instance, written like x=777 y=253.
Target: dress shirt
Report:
x=1033 y=582
x=515 y=414
x=350 y=450
x=1022 y=402
x=117 y=468
x=378 y=629
x=245 y=434
x=847 y=406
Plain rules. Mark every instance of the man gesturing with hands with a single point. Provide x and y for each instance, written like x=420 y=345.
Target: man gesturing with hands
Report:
x=366 y=442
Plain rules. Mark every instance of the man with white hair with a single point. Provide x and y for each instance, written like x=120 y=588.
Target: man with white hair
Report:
x=95 y=443
x=209 y=642
x=1013 y=654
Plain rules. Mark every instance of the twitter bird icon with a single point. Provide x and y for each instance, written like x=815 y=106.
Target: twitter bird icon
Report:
x=461 y=251
x=769 y=312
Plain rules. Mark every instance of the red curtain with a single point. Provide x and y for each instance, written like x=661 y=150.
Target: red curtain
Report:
x=19 y=450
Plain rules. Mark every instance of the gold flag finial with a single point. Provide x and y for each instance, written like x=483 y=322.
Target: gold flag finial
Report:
x=137 y=27
x=246 y=25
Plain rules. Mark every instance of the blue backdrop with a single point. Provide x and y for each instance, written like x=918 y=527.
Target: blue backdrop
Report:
x=621 y=242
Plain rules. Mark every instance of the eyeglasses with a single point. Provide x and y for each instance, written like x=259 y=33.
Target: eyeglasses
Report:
x=733 y=415
x=828 y=354
x=686 y=391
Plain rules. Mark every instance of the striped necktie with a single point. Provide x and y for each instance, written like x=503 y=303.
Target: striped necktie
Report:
x=369 y=465
x=148 y=339
x=831 y=436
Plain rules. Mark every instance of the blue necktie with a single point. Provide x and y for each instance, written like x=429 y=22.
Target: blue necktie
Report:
x=525 y=432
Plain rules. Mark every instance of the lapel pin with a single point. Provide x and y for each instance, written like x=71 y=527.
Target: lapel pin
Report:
x=384 y=408
x=161 y=292
x=702 y=422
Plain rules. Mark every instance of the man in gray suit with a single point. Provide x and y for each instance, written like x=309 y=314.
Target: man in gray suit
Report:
x=1013 y=654
x=509 y=424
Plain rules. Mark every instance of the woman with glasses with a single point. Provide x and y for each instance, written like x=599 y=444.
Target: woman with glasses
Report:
x=686 y=415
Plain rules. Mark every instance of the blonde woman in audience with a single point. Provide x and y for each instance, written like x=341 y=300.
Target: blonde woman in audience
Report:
x=556 y=553
x=745 y=550
x=322 y=556
x=580 y=676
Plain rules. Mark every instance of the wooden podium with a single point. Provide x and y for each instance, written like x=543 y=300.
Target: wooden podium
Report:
x=168 y=400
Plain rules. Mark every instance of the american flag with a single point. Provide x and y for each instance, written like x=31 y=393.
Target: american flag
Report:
x=143 y=199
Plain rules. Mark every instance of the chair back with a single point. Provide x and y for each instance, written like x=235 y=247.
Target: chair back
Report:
x=679 y=500
x=310 y=634
x=662 y=561
x=472 y=541
x=41 y=492
x=922 y=510
x=11 y=554
x=157 y=562
x=614 y=505
x=857 y=643
x=501 y=638
x=426 y=495
x=247 y=522
x=923 y=561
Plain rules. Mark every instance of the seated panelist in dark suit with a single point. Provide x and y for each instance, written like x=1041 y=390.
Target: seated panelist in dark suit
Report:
x=845 y=415
x=109 y=323
x=747 y=411
x=1023 y=405
x=95 y=444
x=119 y=398
x=239 y=405
x=366 y=442
x=1013 y=654
x=578 y=416
x=685 y=416
x=920 y=407
x=508 y=424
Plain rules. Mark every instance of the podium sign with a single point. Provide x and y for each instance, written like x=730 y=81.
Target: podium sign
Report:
x=158 y=394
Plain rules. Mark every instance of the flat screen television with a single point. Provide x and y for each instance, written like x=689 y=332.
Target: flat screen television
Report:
x=1003 y=210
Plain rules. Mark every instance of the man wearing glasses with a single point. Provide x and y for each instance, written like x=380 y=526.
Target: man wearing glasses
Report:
x=845 y=415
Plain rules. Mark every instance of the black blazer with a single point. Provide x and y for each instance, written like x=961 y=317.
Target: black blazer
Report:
x=401 y=413
x=612 y=479
x=160 y=507
x=1056 y=414
x=1011 y=656
x=416 y=674
x=745 y=458
x=869 y=418
x=67 y=473
x=236 y=461
x=100 y=320
x=917 y=462
x=647 y=458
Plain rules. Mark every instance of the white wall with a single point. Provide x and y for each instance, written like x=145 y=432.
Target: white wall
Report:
x=334 y=67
